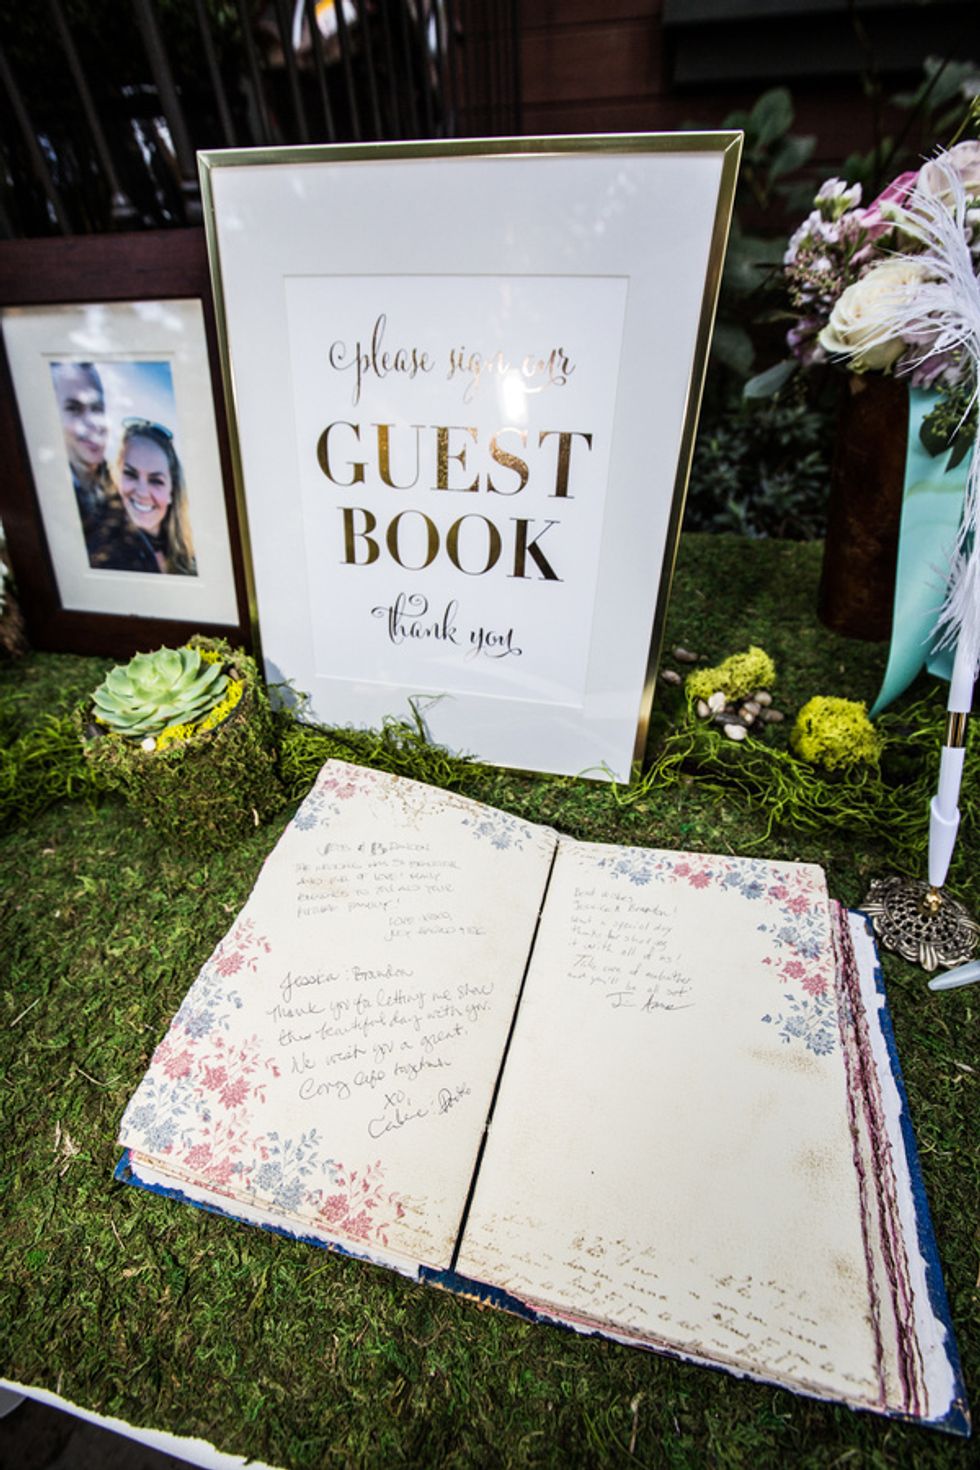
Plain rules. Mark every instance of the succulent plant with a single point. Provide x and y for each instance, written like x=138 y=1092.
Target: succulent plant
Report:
x=154 y=690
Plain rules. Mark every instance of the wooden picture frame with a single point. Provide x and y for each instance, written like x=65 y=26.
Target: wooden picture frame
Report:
x=145 y=277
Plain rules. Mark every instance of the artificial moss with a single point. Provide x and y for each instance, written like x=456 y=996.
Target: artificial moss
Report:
x=43 y=766
x=399 y=746
x=41 y=761
x=888 y=803
x=884 y=802
x=202 y=784
x=138 y=1306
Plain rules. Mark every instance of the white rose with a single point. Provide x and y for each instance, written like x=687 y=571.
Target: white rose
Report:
x=863 y=311
x=962 y=159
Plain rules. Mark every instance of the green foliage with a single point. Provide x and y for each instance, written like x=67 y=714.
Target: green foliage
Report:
x=172 y=686
x=737 y=676
x=770 y=151
x=953 y=422
x=939 y=98
x=937 y=112
x=767 y=476
x=209 y=789
x=761 y=469
x=771 y=155
x=772 y=381
x=835 y=733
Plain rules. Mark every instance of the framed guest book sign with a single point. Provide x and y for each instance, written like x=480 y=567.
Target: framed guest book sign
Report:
x=463 y=379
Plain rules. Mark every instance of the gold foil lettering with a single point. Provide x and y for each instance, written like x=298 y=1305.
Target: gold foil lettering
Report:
x=443 y=457
x=493 y=546
x=384 y=455
x=523 y=547
x=509 y=461
x=565 y=437
x=323 y=455
x=370 y=521
x=432 y=539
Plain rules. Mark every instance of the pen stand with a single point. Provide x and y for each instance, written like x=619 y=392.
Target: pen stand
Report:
x=921 y=923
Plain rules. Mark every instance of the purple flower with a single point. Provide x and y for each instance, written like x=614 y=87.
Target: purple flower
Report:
x=879 y=217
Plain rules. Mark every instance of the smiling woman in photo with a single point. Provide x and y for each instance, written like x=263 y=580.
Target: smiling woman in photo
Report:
x=150 y=530
x=150 y=480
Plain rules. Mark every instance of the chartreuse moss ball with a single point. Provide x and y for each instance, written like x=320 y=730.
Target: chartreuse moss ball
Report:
x=738 y=676
x=835 y=733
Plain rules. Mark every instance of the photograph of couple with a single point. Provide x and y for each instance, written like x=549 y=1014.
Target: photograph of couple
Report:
x=125 y=470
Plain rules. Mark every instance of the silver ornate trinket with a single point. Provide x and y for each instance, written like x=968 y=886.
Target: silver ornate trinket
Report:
x=921 y=923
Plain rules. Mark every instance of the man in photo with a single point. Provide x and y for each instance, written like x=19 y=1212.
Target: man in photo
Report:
x=81 y=406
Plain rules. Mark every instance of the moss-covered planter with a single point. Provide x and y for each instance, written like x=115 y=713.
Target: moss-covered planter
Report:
x=203 y=784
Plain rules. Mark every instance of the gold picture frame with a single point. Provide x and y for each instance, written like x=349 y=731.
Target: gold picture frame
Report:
x=607 y=248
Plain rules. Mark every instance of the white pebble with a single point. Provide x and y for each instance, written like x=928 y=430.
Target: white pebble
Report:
x=735 y=732
x=762 y=696
x=702 y=710
x=716 y=702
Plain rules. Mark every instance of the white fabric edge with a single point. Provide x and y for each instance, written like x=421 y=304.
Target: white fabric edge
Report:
x=194 y=1451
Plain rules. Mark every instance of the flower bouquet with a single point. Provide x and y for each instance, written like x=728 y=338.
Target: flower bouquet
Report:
x=917 y=311
x=846 y=261
x=860 y=279
x=185 y=735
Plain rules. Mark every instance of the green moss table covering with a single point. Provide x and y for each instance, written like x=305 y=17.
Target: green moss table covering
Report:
x=161 y=1314
x=207 y=775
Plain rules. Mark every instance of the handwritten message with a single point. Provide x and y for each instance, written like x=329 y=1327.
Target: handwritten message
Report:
x=392 y=1030
x=624 y=947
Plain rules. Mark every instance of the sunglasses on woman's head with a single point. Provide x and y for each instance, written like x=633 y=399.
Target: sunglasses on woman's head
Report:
x=148 y=424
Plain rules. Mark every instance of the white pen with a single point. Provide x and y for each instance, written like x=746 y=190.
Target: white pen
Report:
x=962 y=975
x=944 y=812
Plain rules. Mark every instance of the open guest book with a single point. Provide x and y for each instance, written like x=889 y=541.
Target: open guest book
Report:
x=650 y=1095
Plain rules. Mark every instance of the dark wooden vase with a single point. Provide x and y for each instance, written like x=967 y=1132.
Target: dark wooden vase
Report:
x=857 y=581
